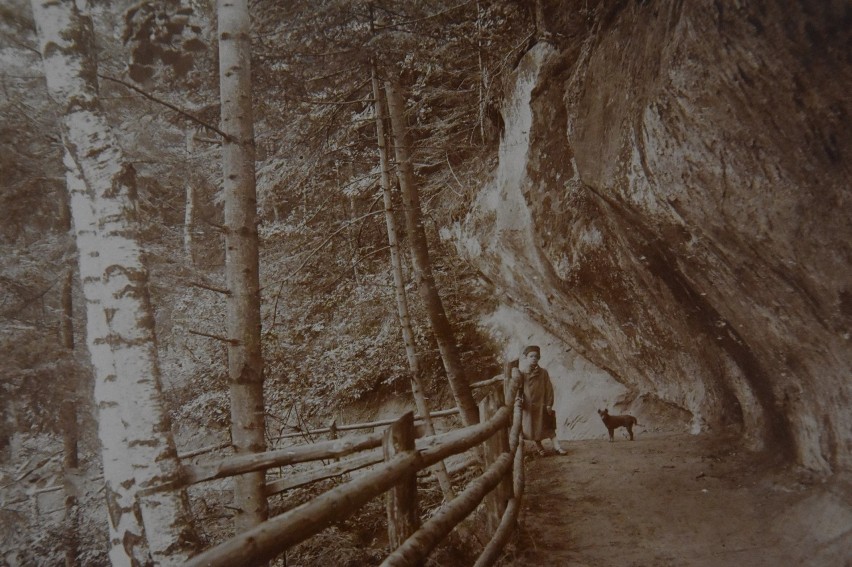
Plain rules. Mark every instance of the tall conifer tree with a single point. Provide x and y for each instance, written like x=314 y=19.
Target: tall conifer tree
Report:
x=245 y=361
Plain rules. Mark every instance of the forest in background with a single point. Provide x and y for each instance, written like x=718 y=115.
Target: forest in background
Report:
x=330 y=335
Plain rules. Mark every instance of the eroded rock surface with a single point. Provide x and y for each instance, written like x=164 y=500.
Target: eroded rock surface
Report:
x=673 y=202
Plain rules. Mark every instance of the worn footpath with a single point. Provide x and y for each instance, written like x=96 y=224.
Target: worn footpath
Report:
x=678 y=500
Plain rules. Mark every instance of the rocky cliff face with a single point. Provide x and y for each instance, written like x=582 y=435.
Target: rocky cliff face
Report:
x=672 y=206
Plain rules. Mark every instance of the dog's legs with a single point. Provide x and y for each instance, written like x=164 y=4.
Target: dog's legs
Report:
x=611 y=432
x=630 y=431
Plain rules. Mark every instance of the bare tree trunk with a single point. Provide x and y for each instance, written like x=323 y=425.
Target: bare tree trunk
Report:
x=68 y=407
x=399 y=287
x=189 y=210
x=68 y=421
x=121 y=327
x=482 y=84
x=245 y=362
x=353 y=236
x=188 y=220
x=423 y=264
x=70 y=471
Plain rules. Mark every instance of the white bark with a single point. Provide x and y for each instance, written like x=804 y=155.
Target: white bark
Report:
x=124 y=522
x=245 y=363
x=120 y=331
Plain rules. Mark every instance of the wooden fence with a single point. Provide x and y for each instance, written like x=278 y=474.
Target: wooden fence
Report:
x=397 y=455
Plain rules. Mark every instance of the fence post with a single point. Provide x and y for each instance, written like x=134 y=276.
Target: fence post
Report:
x=401 y=500
x=332 y=434
x=497 y=444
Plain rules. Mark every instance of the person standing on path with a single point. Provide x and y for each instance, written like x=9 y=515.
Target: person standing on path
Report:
x=538 y=400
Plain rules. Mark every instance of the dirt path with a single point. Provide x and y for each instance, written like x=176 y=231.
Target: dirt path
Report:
x=678 y=500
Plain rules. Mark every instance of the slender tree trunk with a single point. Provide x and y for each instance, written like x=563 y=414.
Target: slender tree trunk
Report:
x=70 y=435
x=350 y=212
x=482 y=83
x=70 y=471
x=353 y=239
x=188 y=221
x=189 y=210
x=422 y=263
x=68 y=409
x=440 y=470
x=245 y=363
x=120 y=331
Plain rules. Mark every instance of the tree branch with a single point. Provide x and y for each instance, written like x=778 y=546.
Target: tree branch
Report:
x=170 y=106
x=424 y=18
x=22 y=474
x=333 y=102
x=211 y=288
x=217 y=337
x=454 y=176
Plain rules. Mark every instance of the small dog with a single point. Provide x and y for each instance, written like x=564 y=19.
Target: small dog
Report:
x=613 y=422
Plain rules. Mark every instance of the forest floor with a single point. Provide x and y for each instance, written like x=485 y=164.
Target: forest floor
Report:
x=678 y=500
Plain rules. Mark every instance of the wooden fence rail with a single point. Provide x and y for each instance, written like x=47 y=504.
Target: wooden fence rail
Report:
x=394 y=469
x=417 y=547
x=509 y=519
x=367 y=425
x=383 y=422
x=252 y=462
x=334 y=428
x=334 y=448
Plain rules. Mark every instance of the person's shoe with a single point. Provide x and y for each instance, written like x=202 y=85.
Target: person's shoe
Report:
x=540 y=451
x=561 y=451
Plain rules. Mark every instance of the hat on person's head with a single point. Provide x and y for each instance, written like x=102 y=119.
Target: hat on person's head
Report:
x=532 y=348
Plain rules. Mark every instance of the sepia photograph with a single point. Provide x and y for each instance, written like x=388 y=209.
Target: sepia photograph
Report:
x=425 y=283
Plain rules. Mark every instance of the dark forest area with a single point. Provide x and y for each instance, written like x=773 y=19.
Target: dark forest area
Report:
x=330 y=335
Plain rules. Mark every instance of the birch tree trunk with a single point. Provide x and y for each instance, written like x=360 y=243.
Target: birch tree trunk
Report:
x=127 y=545
x=399 y=287
x=245 y=363
x=120 y=322
x=423 y=264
